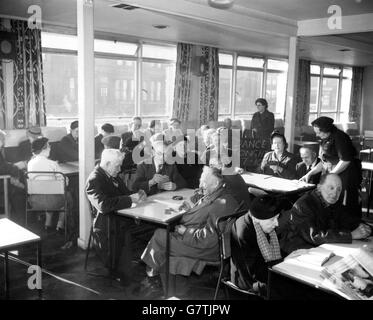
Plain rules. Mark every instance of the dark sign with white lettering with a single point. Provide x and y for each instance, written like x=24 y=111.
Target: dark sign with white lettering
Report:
x=252 y=152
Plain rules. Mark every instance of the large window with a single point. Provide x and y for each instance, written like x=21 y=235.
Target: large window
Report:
x=130 y=79
x=330 y=92
x=243 y=79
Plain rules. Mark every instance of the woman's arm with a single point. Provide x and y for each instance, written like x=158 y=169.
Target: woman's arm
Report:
x=340 y=167
x=317 y=169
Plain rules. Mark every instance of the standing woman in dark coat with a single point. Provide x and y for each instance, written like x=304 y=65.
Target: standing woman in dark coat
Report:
x=263 y=121
x=336 y=149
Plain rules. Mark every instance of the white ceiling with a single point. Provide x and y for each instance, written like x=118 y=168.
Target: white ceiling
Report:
x=138 y=23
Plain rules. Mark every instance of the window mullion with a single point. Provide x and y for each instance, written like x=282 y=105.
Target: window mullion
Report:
x=264 y=80
x=320 y=91
x=138 y=81
x=234 y=84
x=339 y=94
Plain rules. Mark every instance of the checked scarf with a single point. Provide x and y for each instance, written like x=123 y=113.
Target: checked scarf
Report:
x=269 y=250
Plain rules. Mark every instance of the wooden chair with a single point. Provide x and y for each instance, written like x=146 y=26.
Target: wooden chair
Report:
x=223 y=227
x=46 y=183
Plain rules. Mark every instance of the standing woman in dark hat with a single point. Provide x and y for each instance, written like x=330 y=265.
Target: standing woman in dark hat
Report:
x=339 y=156
x=263 y=121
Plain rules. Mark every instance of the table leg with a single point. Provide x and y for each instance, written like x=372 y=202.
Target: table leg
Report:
x=167 y=275
x=6 y=272
x=369 y=192
x=6 y=199
x=40 y=265
x=269 y=284
x=110 y=257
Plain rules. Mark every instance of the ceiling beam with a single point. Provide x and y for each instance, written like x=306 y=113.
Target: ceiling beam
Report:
x=340 y=41
x=349 y=24
x=206 y=14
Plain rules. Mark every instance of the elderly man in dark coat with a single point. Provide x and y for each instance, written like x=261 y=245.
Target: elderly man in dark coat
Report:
x=255 y=245
x=194 y=241
x=107 y=194
x=309 y=161
x=68 y=148
x=318 y=217
x=156 y=174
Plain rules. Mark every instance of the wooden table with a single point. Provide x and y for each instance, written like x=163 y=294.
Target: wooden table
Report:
x=69 y=168
x=309 y=275
x=13 y=236
x=367 y=152
x=274 y=184
x=153 y=211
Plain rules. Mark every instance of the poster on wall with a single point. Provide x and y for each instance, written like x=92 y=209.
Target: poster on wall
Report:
x=252 y=152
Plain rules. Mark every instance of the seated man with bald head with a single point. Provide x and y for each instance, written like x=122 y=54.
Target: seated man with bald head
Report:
x=318 y=217
x=309 y=161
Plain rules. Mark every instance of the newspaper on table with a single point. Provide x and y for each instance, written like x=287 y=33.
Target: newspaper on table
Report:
x=352 y=276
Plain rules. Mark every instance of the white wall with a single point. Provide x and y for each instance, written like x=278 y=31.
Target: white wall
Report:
x=367 y=110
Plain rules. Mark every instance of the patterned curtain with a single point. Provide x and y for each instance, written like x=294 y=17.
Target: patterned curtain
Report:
x=356 y=94
x=303 y=93
x=2 y=99
x=183 y=81
x=29 y=99
x=209 y=87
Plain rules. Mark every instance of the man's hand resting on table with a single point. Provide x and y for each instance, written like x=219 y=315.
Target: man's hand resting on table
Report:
x=185 y=206
x=158 y=179
x=361 y=232
x=138 y=197
x=168 y=186
x=180 y=229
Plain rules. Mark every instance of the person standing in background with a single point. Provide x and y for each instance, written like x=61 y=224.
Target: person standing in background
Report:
x=263 y=121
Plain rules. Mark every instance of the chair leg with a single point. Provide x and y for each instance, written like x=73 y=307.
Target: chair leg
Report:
x=88 y=248
x=219 y=281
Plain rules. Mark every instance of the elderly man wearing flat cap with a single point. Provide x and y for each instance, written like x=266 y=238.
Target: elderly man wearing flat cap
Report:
x=69 y=145
x=156 y=174
x=255 y=245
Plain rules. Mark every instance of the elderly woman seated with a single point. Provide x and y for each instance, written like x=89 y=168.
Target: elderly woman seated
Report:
x=254 y=245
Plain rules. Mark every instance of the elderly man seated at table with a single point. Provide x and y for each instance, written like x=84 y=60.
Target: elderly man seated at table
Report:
x=107 y=194
x=156 y=174
x=69 y=145
x=317 y=217
x=107 y=129
x=194 y=241
x=255 y=245
x=309 y=161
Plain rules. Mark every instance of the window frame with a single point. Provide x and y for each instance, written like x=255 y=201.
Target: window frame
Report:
x=137 y=58
x=321 y=76
x=234 y=67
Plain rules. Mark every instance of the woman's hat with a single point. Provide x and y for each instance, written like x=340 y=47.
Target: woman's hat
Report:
x=265 y=207
x=39 y=144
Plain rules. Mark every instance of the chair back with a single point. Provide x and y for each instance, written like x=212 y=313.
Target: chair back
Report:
x=223 y=226
x=45 y=182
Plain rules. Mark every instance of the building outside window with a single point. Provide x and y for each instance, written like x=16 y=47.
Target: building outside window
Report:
x=130 y=79
x=243 y=79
